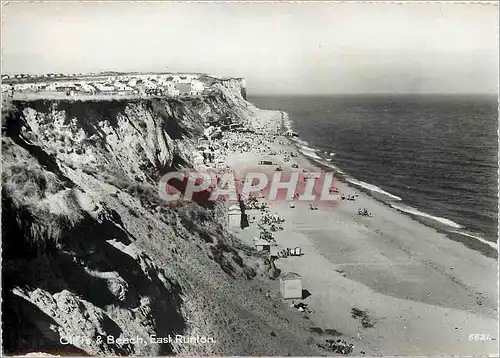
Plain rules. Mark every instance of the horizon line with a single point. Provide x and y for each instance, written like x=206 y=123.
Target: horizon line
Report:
x=249 y=94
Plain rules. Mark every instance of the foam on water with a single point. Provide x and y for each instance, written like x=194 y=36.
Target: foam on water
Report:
x=305 y=149
x=333 y=167
x=309 y=152
x=300 y=142
x=413 y=211
x=492 y=244
x=308 y=149
x=286 y=121
x=373 y=188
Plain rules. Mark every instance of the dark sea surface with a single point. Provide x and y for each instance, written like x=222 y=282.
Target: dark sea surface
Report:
x=432 y=156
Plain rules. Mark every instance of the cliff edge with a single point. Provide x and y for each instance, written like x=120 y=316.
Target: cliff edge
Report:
x=89 y=251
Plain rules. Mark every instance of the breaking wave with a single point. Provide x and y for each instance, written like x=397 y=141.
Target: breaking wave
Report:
x=300 y=142
x=287 y=123
x=492 y=244
x=413 y=211
x=373 y=188
x=309 y=152
x=330 y=165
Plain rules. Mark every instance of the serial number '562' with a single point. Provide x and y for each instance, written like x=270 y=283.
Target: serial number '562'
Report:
x=479 y=337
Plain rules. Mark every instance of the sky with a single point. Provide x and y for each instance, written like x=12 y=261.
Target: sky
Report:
x=279 y=48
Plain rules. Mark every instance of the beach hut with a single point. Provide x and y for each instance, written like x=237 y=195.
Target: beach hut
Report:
x=262 y=245
x=234 y=216
x=291 y=285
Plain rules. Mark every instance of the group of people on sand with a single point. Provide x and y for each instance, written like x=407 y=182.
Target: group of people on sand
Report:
x=339 y=346
x=247 y=141
x=254 y=204
x=234 y=142
x=289 y=252
x=208 y=156
x=268 y=218
x=267 y=236
x=364 y=212
x=350 y=197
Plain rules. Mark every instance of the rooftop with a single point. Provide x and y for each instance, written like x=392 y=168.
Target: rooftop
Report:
x=290 y=276
x=262 y=242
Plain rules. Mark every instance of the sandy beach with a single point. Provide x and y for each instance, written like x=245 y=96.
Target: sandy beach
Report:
x=421 y=293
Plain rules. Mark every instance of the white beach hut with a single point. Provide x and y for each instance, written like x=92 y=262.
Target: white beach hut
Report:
x=262 y=245
x=291 y=285
x=234 y=216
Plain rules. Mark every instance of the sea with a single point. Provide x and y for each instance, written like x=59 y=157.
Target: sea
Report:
x=434 y=157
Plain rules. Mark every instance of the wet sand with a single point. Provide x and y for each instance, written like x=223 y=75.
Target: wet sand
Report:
x=423 y=293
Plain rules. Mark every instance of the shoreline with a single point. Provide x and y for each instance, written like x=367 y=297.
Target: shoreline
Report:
x=422 y=291
x=452 y=230
x=485 y=247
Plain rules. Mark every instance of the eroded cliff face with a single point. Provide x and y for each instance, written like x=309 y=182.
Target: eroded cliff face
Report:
x=90 y=252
